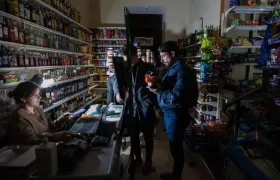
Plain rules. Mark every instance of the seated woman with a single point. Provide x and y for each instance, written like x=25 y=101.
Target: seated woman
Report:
x=28 y=122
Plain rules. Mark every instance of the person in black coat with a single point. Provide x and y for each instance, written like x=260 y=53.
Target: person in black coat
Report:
x=144 y=103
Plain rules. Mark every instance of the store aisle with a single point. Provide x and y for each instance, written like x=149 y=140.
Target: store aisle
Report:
x=162 y=160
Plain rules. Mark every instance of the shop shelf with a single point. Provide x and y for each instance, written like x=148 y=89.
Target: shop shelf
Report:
x=190 y=57
x=9 y=85
x=39 y=49
x=4 y=14
x=111 y=39
x=58 y=103
x=245 y=47
x=68 y=80
x=47 y=6
x=99 y=59
x=190 y=46
x=99 y=53
x=89 y=102
x=251 y=9
x=246 y=28
x=214 y=104
x=108 y=46
x=38 y=68
x=212 y=113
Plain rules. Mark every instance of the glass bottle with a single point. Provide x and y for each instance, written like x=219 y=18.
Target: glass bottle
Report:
x=11 y=31
x=38 y=18
x=5 y=30
x=33 y=14
x=26 y=59
x=21 y=34
x=27 y=12
x=32 y=36
x=21 y=8
x=15 y=7
x=20 y=59
x=15 y=24
x=1 y=27
x=27 y=37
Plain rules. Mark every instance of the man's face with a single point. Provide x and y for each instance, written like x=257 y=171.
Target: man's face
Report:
x=166 y=58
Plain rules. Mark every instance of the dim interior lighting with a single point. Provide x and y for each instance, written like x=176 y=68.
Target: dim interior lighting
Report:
x=47 y=82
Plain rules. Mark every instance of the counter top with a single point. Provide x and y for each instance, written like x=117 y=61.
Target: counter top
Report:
x=98 y=163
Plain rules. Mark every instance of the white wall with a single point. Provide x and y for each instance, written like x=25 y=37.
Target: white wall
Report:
x=209 y=10
x=109 y=12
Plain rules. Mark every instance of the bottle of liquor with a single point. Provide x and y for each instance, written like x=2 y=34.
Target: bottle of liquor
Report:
x=11 y=31
x=21 y=8
x=21 y=34
x=27 y=11
x=5 y=56
x=1 y=27
x=15 y=24
x=38 y=18
x=5 y=30
x=15 y=7
x=26 y=59
x=20 y=60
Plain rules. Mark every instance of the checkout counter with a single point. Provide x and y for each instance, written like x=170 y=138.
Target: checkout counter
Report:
x=98 y=162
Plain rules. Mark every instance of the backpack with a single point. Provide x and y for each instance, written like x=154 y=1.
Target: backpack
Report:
x=192 y=87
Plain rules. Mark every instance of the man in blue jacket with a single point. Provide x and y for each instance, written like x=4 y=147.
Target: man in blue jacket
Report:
x=175 y=97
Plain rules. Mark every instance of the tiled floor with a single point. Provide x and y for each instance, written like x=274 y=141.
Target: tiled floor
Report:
x=163 y=161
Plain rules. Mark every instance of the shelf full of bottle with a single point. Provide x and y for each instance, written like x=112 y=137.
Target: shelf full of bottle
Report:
x=101 y=77
x=15 y=34
x=82 y=101
x=18 y=59
x=39 y=14
x=52 y=77
x=54 y=96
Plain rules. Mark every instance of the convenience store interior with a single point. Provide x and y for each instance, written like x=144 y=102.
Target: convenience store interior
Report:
x=232 y=45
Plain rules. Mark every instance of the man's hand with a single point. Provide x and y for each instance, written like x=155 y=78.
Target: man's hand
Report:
x=156 y=84
x=119 y=99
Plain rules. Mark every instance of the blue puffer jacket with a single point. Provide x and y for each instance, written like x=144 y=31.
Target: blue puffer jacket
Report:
x=172 y=99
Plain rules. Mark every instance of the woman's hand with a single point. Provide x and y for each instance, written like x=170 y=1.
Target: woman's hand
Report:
x=67 y=116
x=62 y=136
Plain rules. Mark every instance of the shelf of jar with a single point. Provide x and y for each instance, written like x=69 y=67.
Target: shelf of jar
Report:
x=4 y=14
x=45 y=5
x=40 y=49
x=58 y=103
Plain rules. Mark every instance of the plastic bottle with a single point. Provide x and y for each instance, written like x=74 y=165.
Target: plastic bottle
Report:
x=46 y=157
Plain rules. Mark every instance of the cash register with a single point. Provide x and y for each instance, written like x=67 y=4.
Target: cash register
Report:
x=94 y=128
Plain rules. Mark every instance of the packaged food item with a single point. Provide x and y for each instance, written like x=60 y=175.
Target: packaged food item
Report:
x=263 y=2
x=248 y=2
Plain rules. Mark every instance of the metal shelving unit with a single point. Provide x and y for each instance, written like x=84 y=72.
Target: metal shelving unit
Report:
x=58 y=103
x=25 y=22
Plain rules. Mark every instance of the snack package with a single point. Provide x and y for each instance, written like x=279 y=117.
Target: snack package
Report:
x=248 y=2
x=263 y=2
